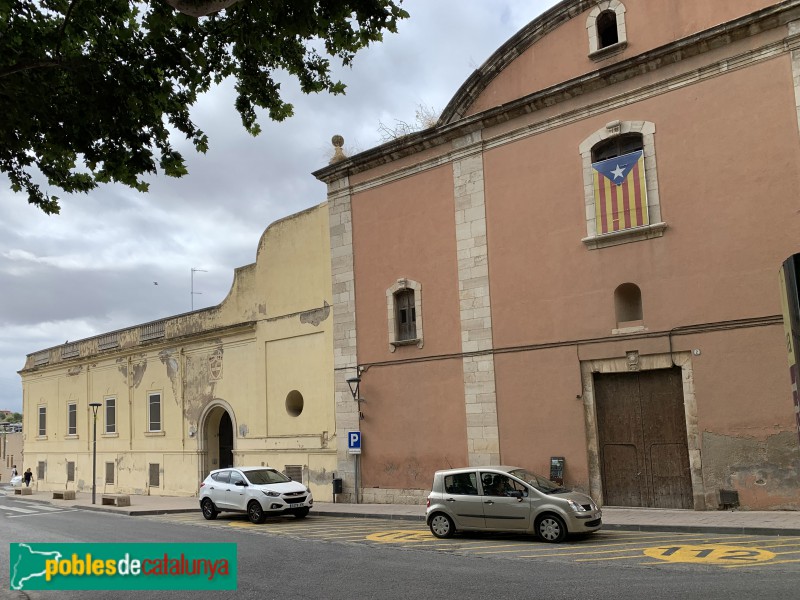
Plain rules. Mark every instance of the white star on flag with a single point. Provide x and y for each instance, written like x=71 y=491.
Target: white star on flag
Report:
x=617 y=172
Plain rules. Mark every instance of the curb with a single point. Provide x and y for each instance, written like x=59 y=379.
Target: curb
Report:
x=713 y=529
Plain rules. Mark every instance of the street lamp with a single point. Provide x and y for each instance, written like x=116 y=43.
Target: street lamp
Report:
x=95 y=406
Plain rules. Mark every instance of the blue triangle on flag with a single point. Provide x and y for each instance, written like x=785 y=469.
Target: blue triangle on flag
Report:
x=616 y=169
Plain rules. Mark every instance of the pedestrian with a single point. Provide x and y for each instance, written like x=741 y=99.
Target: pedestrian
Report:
x=28 y=477
x=14 y=472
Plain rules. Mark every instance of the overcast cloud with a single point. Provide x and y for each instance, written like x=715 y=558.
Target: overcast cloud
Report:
x=93 y=268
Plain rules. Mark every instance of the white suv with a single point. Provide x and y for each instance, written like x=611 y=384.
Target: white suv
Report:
x=507 y=499
x=261 y=492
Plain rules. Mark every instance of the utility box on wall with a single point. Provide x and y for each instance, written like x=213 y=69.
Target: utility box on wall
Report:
x=557 y=469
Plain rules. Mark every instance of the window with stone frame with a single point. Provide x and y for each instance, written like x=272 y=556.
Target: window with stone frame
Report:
x=404 y=305
x=621 y=196
x=605 y=27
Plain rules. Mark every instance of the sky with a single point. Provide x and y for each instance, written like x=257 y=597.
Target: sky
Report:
x=116 y=258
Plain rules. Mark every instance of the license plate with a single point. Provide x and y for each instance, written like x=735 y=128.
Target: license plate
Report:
x=296 y=505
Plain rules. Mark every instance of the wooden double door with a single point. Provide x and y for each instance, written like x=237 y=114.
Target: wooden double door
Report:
x=641 y=422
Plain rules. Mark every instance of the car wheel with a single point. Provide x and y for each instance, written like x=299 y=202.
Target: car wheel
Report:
x=442 y=526
x=301 y=513
x=551 y=528
x=255 y=513
x=210 y=511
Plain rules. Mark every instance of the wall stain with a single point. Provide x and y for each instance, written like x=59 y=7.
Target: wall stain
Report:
x=764 y=471
x=171 y=363
x=317 y=315
x=72 y=371
x=122 y=367
x=138 y=372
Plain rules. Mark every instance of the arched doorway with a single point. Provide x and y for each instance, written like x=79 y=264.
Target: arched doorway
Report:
x=217 y=439
x=225 y=436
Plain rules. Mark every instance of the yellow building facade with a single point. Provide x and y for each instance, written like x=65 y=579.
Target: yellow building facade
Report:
x=247 y=382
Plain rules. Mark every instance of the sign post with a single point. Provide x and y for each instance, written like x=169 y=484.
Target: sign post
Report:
x=354 y=447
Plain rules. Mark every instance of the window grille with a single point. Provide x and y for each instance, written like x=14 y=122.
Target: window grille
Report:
x=109 y=472
x=70 y=471
x=40 y=470
x=294 y=472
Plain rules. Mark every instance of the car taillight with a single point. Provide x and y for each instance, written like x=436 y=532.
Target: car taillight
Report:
x=428 y=503
x=202 y=483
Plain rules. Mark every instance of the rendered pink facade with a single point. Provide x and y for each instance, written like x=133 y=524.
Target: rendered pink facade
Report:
x=651 y=358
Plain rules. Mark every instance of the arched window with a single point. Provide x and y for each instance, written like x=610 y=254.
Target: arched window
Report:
x=607 y=34
x=628 y=303
x=621 y=184
x=605 y=27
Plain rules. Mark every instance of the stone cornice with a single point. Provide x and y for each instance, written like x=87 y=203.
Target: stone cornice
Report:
x=628 y=69
x=88 y=347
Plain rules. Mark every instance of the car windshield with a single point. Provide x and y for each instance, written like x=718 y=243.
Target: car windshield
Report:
x=262 y=476
x=542 y=484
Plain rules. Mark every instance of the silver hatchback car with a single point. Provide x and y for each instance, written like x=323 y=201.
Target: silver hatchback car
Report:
x=507 y=499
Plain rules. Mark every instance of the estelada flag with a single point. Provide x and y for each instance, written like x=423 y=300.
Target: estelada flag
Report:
x=620 y=194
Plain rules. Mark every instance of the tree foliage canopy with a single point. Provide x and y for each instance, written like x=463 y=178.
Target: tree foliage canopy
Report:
x=89 y=89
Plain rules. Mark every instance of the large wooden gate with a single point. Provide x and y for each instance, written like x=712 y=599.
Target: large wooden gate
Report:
x=644 y=457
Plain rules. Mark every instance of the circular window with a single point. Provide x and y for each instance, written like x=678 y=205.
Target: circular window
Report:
x=294 y=403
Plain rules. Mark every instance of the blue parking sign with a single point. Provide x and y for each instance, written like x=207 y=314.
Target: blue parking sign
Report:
x=354 y=442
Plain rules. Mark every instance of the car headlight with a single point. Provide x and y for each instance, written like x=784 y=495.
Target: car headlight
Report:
x=575 y=506
x=270 y=494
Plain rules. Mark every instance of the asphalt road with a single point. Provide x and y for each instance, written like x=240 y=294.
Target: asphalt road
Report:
x=337 y=558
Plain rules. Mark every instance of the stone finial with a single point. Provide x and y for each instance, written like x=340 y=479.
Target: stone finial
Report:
x=338 y=153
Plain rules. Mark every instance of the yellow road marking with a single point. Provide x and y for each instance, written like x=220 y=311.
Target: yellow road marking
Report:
x=404 y=536
x=714 y=554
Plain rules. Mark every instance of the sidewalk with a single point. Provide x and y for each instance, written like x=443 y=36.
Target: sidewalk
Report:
x=630 y=519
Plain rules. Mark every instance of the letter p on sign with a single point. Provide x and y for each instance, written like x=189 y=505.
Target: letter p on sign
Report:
x=354 y=442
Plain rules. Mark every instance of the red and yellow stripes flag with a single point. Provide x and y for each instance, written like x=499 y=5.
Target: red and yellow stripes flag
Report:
x=620 y=193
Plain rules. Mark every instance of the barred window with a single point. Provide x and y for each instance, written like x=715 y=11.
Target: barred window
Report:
x=109 y=472
x=70 y=471
x=42 y=421
x=294 y=472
